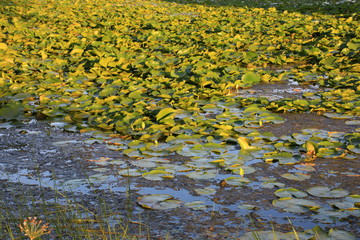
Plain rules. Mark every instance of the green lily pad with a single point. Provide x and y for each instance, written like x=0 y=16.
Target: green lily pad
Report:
x=337 y=116
x=202 y=174
x=290 y=192
x=272 y=184
x=274 y=235
x=353 y=122
x=305 y=168
x=157 y=175
x=205 y=191
x=333 y=234
x=158 y=201
x=196 y=205
x=326 y=192
x=144 y=163
x=354 y=148
x=282 y=157
x=130 y=172
x=237 y=181
x=295 y=205
x=296 y=176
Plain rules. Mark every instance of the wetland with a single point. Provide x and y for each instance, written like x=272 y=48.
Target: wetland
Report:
x=178 y=120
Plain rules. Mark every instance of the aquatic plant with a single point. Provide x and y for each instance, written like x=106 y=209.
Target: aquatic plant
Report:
x=34 y=228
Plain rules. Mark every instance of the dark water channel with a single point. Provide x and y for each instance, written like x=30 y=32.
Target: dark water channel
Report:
x=36 y=158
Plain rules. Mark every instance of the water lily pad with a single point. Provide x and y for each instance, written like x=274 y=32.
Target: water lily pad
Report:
x=130 y=172
x=282 y=157
x=326 y=192
x=354 y=148
x=353 y=122
x=237 y=181
x=290 y=192
x=333 y=234
x=158 y=201
x=295 y=205
x=273 y=235
x=205 y=191
x=306 y=168
x=157 y=175
x=337 y=116
x=203 y=174
x=196 y=205
x=144 y=163
x=272 y=184
x=296 y=176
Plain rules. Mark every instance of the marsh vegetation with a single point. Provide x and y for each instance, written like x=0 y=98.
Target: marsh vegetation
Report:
x=179 y=119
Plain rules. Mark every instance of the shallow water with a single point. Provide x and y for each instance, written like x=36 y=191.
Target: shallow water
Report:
x=38 y=156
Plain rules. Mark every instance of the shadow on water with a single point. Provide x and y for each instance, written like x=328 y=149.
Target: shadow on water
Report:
x=346 y=7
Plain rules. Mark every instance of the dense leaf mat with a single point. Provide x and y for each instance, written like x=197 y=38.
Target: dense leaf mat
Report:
x=149 y=69
x=152 y=78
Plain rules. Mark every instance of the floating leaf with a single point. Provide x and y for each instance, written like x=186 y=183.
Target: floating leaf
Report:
x=326 y=192
x=290 y=192
x=296 y=176
x=158 y=201
x=245 y=143
x=165 y=113
x=129 y=172
x=272 y=184
x=196 y=205
x=295 y=205
x=273 y=235
x=202 y=174
x=205 y=191
x=157 y=175
x=282 y=157
x=251 y=78
x=237 y=181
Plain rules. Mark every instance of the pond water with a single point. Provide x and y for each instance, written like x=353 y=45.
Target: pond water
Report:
x=211 y=201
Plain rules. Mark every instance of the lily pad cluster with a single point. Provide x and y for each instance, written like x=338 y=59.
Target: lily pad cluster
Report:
x=297 y=201
x=156 y=78
x=100 y=65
